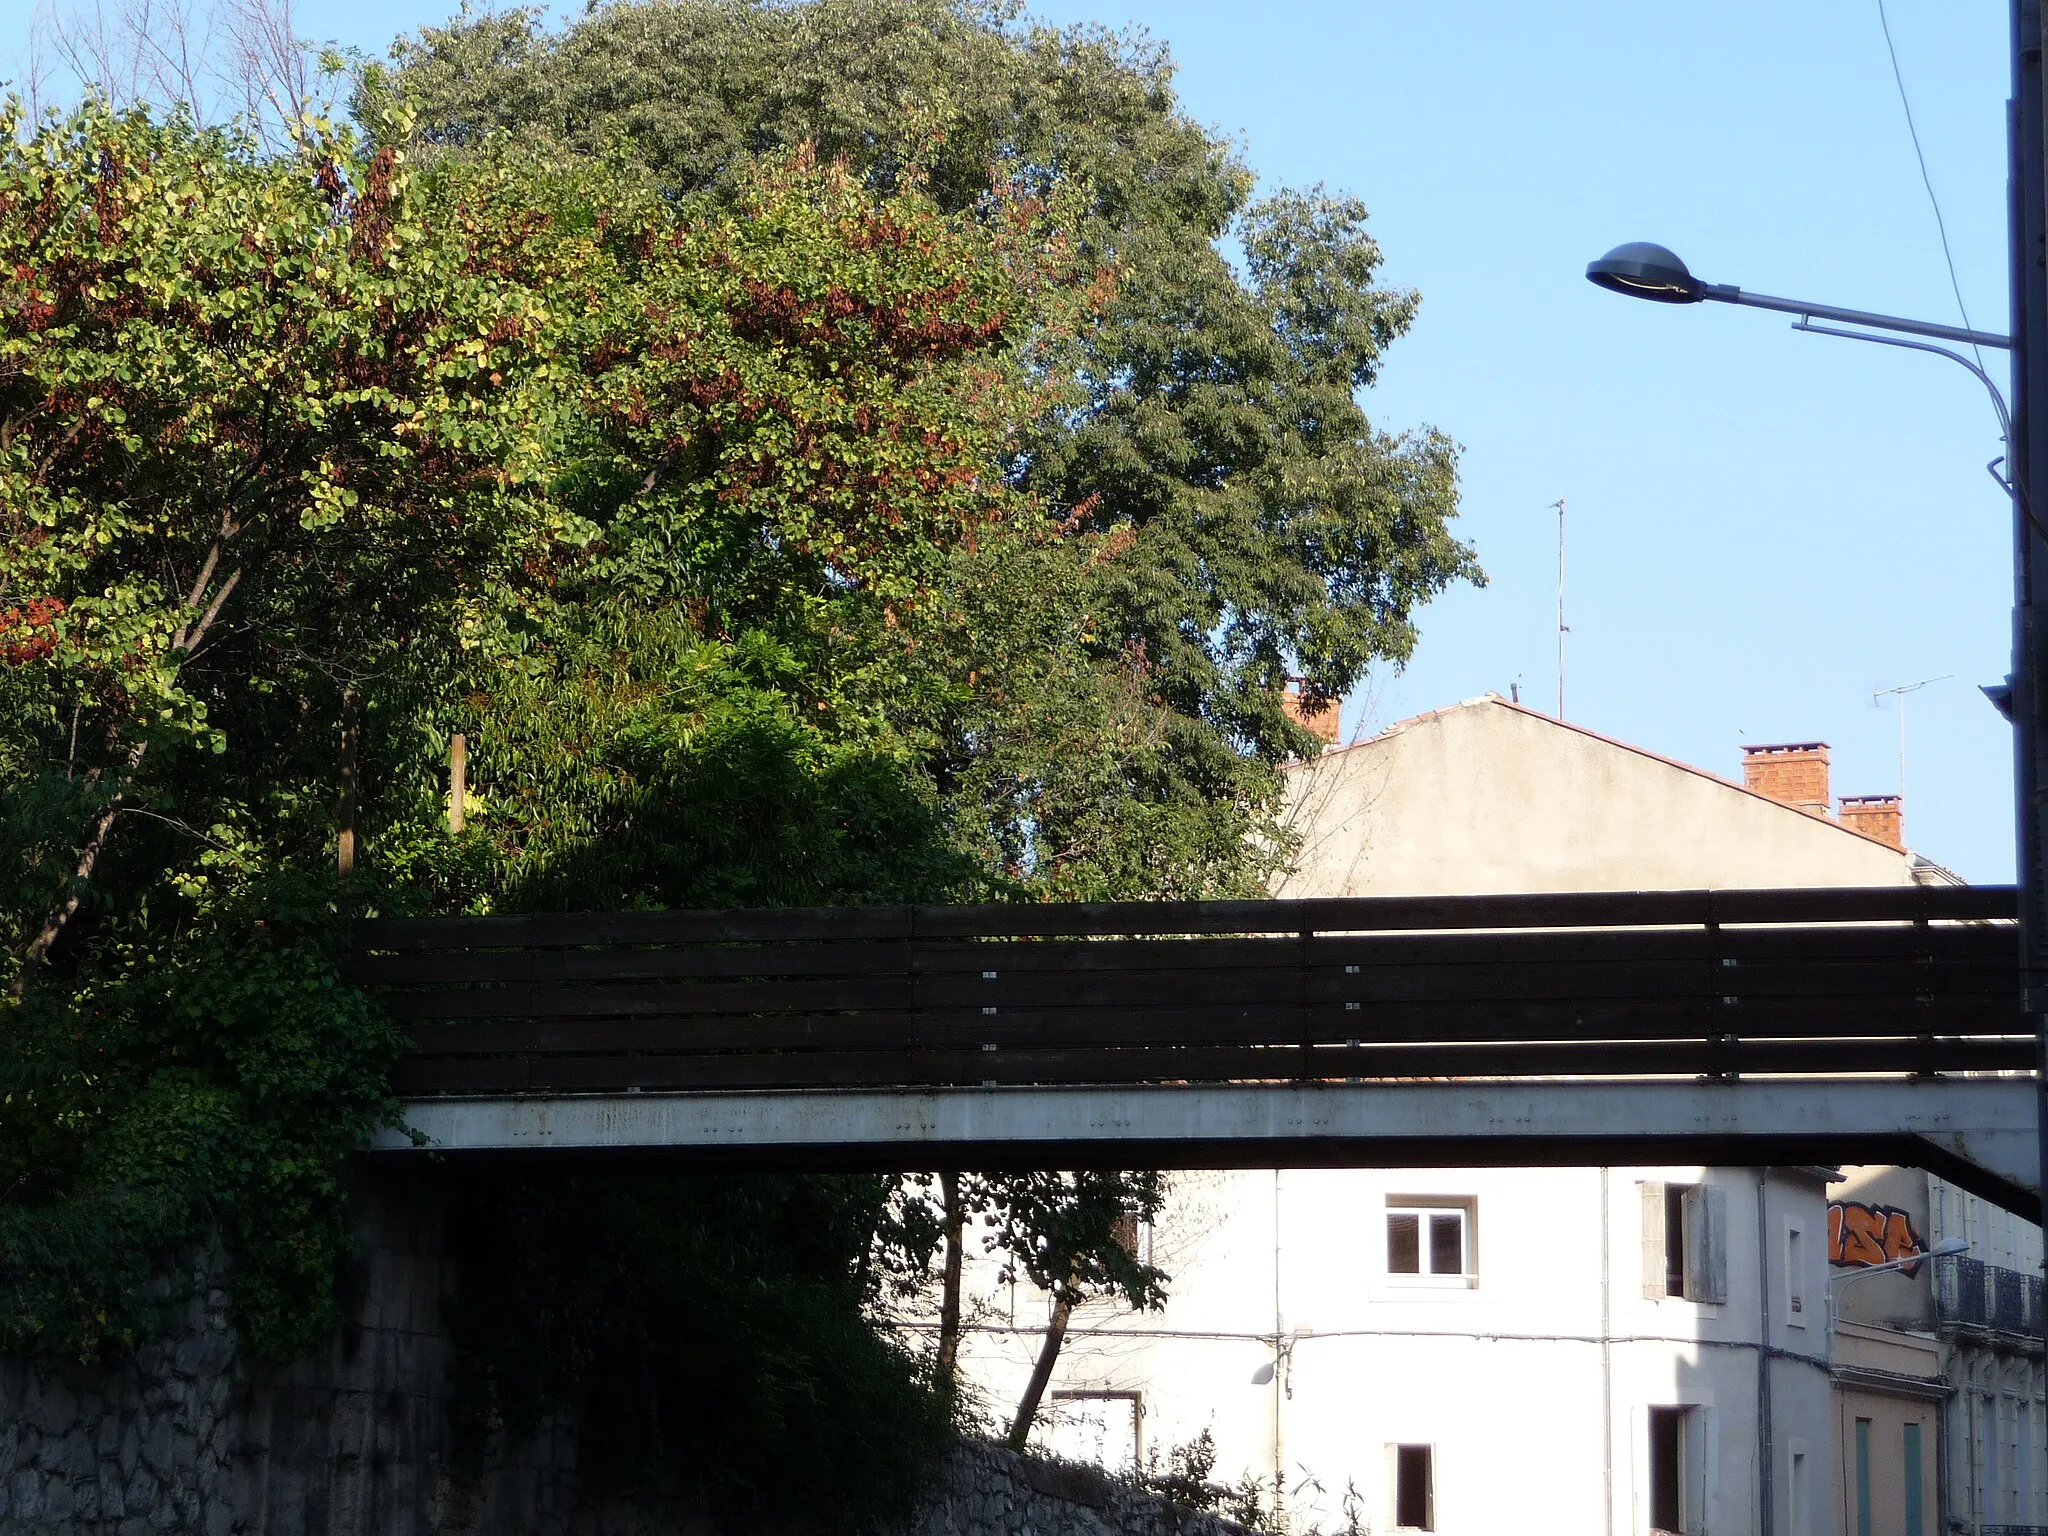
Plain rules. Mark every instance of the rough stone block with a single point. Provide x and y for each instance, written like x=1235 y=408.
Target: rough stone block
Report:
x=156 y=1447
x=26 y=1492
x=113 y=1505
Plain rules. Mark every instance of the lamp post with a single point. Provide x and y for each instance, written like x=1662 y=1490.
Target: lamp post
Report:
x=1651 y=272
x=1643 y=270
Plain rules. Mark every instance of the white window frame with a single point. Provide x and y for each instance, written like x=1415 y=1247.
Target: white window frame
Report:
x=1423 y=1207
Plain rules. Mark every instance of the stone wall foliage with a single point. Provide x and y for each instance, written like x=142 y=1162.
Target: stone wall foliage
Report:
x=184 y=1440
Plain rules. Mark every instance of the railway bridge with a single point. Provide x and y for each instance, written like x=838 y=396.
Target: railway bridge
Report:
x=1866 y=1024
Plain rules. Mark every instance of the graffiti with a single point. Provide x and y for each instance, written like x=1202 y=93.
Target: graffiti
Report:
x=1860 y=1235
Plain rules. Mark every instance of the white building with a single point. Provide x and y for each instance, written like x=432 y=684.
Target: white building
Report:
x=1486 y=1350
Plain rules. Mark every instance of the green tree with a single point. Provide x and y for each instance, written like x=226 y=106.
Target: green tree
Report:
x=670 y=506
x=265 y=437
x=1252 y=523
x=1222 y=514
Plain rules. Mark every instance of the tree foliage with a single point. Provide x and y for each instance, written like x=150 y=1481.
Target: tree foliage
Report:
x=1264 y=526
x=1227 y=516
x=815 y=453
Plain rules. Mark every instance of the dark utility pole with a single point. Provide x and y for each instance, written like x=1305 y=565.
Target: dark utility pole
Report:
x=2028 y=191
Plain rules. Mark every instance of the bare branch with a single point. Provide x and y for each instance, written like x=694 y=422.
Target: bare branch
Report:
x=220 y=58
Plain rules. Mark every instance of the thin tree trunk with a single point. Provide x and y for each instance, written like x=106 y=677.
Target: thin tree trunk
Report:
x=186 y=640
x=949 y=1295
x=1041 y=1373
x=351 y=741
x=88 y=857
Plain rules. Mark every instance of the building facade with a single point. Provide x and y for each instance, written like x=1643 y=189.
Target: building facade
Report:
x=1477 y=1350
x=1952 y=1346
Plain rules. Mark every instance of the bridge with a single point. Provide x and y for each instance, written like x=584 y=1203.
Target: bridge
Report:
x=1866 y=1024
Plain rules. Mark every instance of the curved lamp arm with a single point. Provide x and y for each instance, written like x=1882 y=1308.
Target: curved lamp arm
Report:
x=1997 y=399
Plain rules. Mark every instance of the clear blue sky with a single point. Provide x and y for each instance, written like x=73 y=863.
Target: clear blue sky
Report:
x=1763 y=526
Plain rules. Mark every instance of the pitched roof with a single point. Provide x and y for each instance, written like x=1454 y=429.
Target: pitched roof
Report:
x=1919 y=863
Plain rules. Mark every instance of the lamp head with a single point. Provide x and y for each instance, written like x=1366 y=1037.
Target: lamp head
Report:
x=1645 y=271
x=1949 y=1246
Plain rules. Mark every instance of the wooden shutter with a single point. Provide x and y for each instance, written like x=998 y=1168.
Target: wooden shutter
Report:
x=1653 y=1240
x=1707 y=1216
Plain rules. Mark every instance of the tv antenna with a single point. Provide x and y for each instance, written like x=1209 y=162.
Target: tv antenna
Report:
x=1898 y=694
x=1562 y=631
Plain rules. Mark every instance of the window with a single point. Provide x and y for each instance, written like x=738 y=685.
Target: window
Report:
x=2023 y=1462
x=1684 y=1251
x=1916 y=1491
x=1430 y=1238
x=1798 y=1499
x=1414 y=1487
x=1863 y=1477
x=1106 y=1428
x=1676 y=1197
x=1795 y=1276
x=1987 y=1504
x=1668 y=1469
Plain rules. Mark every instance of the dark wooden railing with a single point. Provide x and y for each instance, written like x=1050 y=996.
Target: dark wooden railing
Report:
x=1727 y=983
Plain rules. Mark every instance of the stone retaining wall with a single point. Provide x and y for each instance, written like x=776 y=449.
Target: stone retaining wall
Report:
x=182 y=1441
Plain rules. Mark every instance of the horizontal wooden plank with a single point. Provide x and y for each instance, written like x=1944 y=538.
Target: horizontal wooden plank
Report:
x=570 y=929
x=1993 y=946
x=593 y=1000
x=1910 y=977
x=1328 y=915
x=1242 y=1023
x=691 y=962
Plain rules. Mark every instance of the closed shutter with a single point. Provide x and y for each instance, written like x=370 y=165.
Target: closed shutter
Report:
x=1653 y=1240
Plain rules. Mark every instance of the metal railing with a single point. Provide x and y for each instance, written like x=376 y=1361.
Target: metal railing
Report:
x=1917 y=980
x=1968 y=1293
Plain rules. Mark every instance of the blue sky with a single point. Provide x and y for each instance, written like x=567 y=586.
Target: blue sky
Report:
x=1763 y=526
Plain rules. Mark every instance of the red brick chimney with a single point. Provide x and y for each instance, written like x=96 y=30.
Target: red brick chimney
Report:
x=1322 y=722
x=1793 y=773
x=1880 y=816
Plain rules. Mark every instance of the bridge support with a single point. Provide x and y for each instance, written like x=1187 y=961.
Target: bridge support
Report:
x=1979 y=1133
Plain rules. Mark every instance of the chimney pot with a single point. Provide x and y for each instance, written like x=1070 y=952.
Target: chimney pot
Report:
x=1793 y=773
x=1322 y=722
x=1880 y=816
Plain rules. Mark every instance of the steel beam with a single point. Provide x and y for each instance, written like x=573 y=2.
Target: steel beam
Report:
x=1978 y=1133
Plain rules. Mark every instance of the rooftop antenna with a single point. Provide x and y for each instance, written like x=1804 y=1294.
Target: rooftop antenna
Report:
x=1879 y=695
x=1562 y=631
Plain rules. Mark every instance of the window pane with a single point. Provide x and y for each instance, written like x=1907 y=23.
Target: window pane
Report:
x=1404 y=1245
x=1863 y=1477
x=1411 y=1487
x=1916 y=1490
x=1667 y=1476
x=1674 y=1239
x=1447 y=1244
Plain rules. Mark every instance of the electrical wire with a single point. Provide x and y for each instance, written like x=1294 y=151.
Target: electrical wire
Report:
x=1926 y=180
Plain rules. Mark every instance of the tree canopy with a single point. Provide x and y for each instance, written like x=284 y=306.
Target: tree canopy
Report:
x=1265 y=527
x=860 y=451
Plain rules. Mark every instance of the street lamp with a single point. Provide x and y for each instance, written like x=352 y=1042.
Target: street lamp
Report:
x=1642 y=270
x=1645 y=271
x=1947 y=1248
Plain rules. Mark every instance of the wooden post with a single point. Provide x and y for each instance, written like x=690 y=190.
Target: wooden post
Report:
x=351 y=731
x=458 y=779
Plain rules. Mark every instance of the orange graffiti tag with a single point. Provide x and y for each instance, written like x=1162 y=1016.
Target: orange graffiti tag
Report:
x=1860 y=1235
